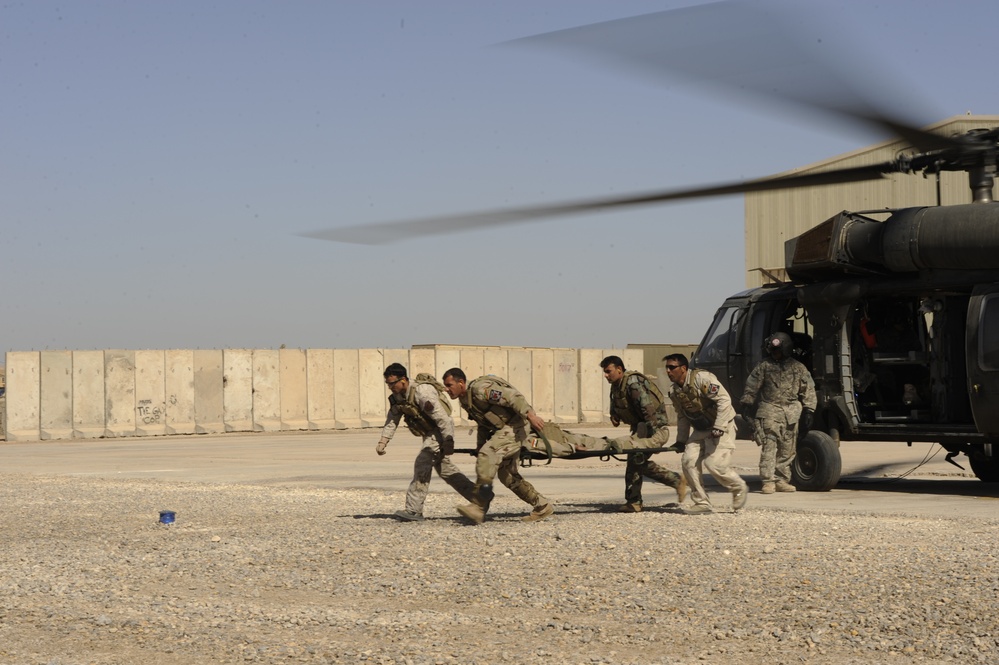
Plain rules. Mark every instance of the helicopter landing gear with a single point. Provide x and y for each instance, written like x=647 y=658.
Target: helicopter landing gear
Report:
x=817 y=463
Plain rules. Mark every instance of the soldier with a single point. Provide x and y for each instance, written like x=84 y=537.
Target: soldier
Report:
x=560 y=442
x=428 y=414
x=503 y=416
x=706 y=428
x=638 y=402
x=779 y=392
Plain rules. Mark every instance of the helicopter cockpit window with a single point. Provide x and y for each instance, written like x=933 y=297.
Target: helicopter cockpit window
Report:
x=715 y=348
x=988 y=351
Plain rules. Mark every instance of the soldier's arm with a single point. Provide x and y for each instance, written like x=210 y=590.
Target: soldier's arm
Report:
x=716 y=393
x=392 y=419
x=753 y=384
x=682 y=422
x=513 y=399
x=639 y=396
x=806 y=393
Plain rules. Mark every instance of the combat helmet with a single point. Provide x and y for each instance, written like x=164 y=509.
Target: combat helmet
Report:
x=779 y=341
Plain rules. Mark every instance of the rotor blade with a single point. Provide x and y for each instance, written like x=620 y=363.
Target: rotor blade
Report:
x=765 y=49
x=387 y=232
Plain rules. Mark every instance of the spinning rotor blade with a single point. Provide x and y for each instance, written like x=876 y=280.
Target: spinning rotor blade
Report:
x=387 y=232
x=764 y=49
x=741 y=46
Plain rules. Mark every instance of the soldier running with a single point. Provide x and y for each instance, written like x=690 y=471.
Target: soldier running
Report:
x=503 y=417
x=706 y=428
x=637 y=402
x=427 y=413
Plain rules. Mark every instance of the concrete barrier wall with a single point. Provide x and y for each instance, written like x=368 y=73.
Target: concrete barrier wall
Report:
x=118 y=393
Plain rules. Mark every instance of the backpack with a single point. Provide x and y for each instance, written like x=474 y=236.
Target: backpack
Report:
x=445 y=400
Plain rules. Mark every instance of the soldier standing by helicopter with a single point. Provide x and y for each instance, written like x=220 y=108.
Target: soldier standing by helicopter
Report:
x=705 y=431
x=779 y=393
x=636 y=401
x=428 y=414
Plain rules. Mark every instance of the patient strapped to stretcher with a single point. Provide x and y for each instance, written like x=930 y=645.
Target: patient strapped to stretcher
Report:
x=564 y=443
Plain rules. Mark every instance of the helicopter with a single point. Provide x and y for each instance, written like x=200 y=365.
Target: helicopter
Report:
x=895 y=312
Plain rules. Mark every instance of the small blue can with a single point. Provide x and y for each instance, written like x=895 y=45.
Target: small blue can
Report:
x=167 y=516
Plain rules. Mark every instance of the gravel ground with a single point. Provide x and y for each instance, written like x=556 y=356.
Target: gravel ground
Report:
x=297 y=575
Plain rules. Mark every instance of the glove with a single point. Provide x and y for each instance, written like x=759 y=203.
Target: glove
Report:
x=747 y=411
x=382 y=444
x=807 y=415
x=447 y=447
x=678 y=447
x=717 y=433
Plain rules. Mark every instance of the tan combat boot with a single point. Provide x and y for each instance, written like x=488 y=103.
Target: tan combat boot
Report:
x=630 y=508
x=768 y=488
x=473 y=512
x=539 y=513
x=739 y=498
x=784 y=486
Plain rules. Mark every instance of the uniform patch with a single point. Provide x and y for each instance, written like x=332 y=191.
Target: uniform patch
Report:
x=713 y=389
x=495 y=395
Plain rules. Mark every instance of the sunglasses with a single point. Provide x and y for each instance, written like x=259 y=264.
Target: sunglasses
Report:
x=670 y=368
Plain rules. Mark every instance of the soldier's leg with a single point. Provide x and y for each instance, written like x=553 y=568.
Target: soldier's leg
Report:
x=633 y=482
x=691 y=462
x=510 y=476
x=785 y=454
x=453 y=476
x=718 y=462
x=766 y=436
x=416 y=495
x=661 y=474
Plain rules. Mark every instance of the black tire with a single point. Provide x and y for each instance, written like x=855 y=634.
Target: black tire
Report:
x=817 y=464
x=986 y=469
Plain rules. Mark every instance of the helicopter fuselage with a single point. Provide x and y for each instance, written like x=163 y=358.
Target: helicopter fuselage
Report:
x=898 y=322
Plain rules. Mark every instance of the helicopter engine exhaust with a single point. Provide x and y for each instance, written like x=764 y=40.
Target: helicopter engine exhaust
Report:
x=960 y=237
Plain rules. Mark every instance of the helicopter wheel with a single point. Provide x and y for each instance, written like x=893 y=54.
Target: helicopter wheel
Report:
x=986 y=469
x=817 y=463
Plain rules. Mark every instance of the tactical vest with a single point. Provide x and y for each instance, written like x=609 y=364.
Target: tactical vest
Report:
x=491 y=415
x=695 y=404
x=622 y=408
x=418 y=421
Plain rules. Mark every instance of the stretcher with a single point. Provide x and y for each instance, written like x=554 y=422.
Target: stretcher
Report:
x=567 y=445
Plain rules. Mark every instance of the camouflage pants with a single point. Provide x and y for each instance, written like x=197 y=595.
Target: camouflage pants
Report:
x=634 y=472
x=498 y=458
x=564 y=442
x=714 y=454
x=428 y=460
x=776 y=440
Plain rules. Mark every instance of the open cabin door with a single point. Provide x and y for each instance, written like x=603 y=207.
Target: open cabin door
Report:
x=983 y=357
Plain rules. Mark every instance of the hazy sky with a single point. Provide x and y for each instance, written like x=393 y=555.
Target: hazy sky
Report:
x=159 y=158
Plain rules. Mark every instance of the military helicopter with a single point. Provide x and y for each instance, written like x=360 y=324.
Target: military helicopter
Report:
x=896 y=312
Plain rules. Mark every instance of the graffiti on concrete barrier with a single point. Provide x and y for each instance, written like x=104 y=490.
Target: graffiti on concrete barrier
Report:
x=147 y=413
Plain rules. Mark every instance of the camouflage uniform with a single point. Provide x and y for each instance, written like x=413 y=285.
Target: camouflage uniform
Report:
x=426 y=417
x=500 y=411
x=702 y=405
x=780 y=390
x=632 y=402
x=564 y=443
